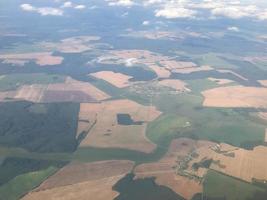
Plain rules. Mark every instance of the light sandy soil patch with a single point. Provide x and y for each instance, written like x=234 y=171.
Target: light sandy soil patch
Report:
x=72 y=90
x=152 y=35
x=175 y=84
x=77 y=44
x=244 y=164
x=173 y=64
x=166 y=170
x=96 y=190
x=117 y=79
x=263 y=115
x=227 y=71
x=161 y=65
x=188 y=70
x=107 y=133
x=41 y=58
x=220 y=81
x=263 y=82
x=80 y=172
x=165 y=35
x=256 y=59
x=236 y=96
x=32 y=93
x=83 y=181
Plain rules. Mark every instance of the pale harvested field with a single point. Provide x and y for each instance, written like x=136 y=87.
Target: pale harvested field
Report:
x=173 y=64
x=244 y=165
x=107 y=133
x=77 y=44
x=157 y=35
x=117 y=79
x=71 y=90
x=81 y=172
x=188 y=70
x=152 y=35
x=236 y=96
x=83 y=181
x=95 y=190
x=263 y=83
x=40 y=58
x=32 y=93
x=160 y=71
x=165 y=170
x=220 y=81
x=175 y=84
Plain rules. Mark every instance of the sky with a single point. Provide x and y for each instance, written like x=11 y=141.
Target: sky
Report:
x=168 y=9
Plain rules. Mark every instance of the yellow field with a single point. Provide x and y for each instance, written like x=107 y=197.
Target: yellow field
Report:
x=72 y=91
x=244 y=165
x=236 y=96
x=107 y=133
x=96 y=189
x=117 y=79
x=160 y=71
x=177 y=85
x=83 y=181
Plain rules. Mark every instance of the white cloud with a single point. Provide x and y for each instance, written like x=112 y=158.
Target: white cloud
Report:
x=50 y=11
x=145 y=23
x=44 y=11
x=27 y=7
x=233 y=28
x=230 y=8
x=67 y=4
x=235 y=12
x=234 y=9
x=127 y=3
x=80 y=7
x=263 y=15
x=172 y=12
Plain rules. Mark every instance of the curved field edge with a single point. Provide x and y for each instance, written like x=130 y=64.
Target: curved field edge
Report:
x=22 y=184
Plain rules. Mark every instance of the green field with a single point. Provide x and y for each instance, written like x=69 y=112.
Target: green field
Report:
x=165 y=128
x=217 y=185
x=232 y=126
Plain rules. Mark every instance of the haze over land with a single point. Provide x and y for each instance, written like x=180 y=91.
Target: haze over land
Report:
x=133 y=99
